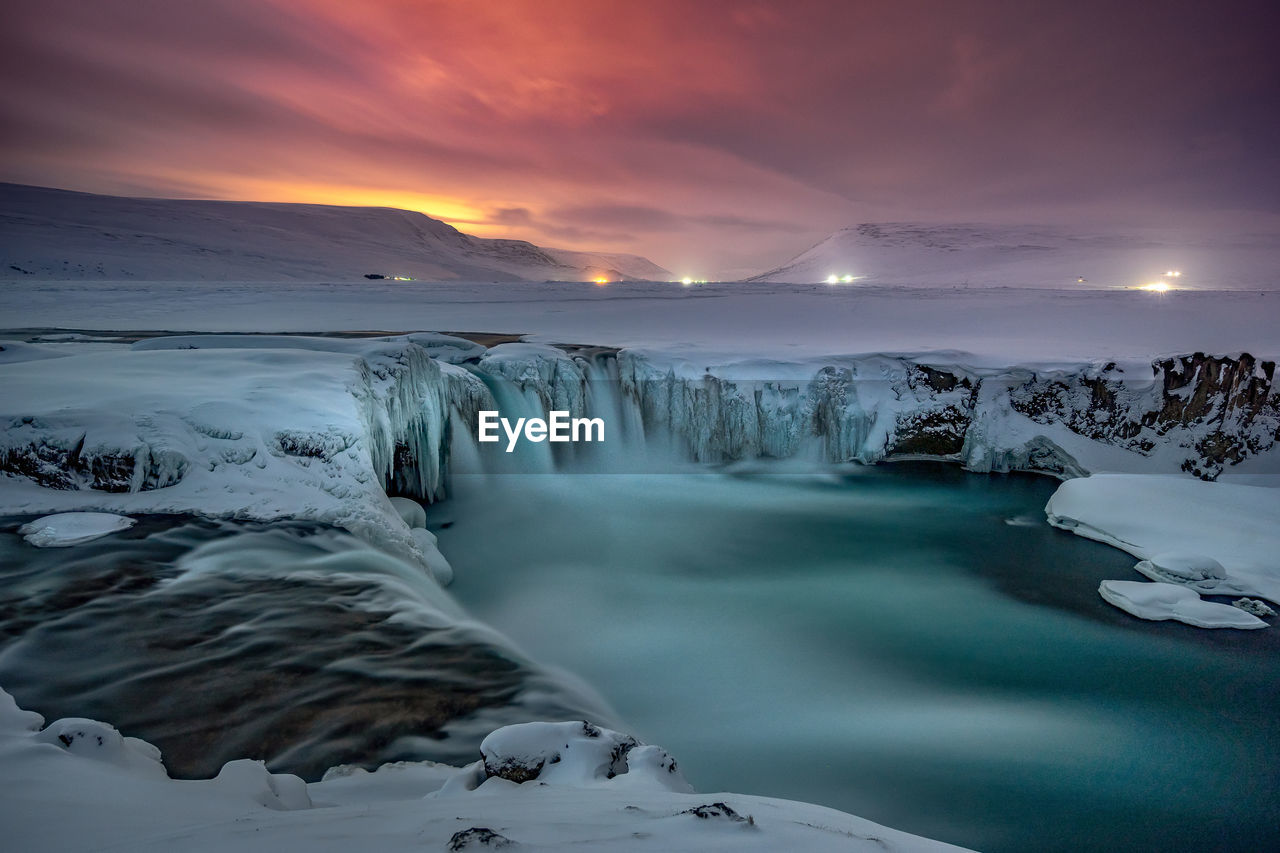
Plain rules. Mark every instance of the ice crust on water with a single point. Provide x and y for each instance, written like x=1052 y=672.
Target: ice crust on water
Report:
x=1167 y=521
x=72 y=528
x=1226 y=536
x=81 y=785
x=1159 y=601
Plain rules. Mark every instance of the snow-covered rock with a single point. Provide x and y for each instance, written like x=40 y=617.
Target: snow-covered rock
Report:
x=1161 y=601
x=72 y=528
x=101 y=742
x=278 y=791
x=577 y=754
x=1254 y=606
x=85 y=796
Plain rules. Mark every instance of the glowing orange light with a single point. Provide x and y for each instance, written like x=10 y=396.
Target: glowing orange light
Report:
x=602 y=281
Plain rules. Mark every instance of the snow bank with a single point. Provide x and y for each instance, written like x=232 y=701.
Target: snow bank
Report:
x=317 y=431
x=1167 y=521
x=79 y=785
x=1160 y=601
x=12 y=352
x=72 y=528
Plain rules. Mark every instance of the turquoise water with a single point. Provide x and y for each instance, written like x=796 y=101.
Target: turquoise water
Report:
x=909 y=643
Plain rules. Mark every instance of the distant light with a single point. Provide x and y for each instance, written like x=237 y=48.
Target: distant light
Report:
x=602 y=280
x=1157 y=286
x=686 y=280
x=833 y=279
x=1080 y=279
x=1173 y=274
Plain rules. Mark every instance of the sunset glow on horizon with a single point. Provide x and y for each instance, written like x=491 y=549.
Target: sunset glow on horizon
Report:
x=719 y=136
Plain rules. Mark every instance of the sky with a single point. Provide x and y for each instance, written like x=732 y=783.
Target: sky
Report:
x=716 y=137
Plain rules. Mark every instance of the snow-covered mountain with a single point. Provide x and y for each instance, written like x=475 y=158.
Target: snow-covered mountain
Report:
x=57 y=234
x=1033 y=256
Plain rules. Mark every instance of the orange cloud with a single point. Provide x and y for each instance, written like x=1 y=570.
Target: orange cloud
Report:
x=716 y=136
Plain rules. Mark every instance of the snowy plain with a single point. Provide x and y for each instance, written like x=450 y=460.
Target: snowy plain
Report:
x=987 y=326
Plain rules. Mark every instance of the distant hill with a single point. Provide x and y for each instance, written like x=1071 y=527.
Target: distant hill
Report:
x=1032 y=256
x=56 y=234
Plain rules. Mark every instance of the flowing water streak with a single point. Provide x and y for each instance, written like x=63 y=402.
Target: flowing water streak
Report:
x=291 y=642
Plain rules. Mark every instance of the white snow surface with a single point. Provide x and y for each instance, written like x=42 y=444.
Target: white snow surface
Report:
x=72 y=528
x=1176 y=523
x=80 y=786
x=56 y=234
x=932 y=255
x=1161 y=601
x=714 y=323
x=261 y=433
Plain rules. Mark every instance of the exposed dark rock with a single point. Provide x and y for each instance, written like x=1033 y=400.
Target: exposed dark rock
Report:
x=516 y=771
x=939 y=432
x=478 y=838
x=1218 y=409
x=69 y=465
x=720 y=811
x=315 y=446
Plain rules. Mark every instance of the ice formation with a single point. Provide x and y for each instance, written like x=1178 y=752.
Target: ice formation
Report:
x=1218 y=538
x=72 y=528
x=1191 y=536
x=1159 y=601
x=321 y=428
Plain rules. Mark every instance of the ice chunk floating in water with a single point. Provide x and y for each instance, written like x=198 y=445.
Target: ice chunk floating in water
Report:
x=72 y=528
x=1157 y=601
